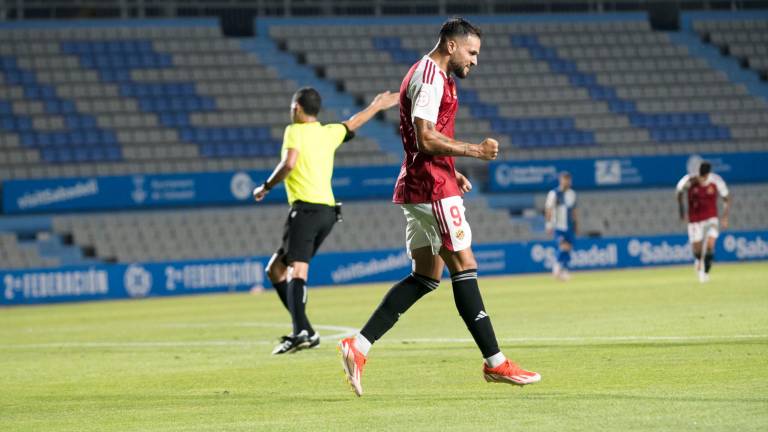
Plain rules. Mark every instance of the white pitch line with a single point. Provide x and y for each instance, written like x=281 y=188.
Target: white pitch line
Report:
x=342 y=332
x=186 y=325
x=158 y=344
x=348 y=331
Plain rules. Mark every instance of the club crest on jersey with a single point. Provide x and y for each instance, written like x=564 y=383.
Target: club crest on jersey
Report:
x=422 y=99
x=710 y=190
x=460 y=234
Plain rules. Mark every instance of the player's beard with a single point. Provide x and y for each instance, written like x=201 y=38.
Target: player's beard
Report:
x=460 y=71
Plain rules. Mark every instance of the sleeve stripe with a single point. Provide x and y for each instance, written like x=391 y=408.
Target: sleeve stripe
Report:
x=428 y=74
x=432 y=73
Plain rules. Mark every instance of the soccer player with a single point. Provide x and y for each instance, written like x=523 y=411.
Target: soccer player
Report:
x=703 y=224
x=306 y=165
x=429 y=190
x=562 y=218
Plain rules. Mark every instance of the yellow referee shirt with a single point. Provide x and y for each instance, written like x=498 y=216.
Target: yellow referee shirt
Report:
x=310 y=179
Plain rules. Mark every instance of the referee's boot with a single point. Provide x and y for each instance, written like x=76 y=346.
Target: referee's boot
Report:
x=291 y=343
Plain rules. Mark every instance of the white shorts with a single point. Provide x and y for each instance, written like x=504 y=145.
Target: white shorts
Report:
x=436 y=224
x=696 y=229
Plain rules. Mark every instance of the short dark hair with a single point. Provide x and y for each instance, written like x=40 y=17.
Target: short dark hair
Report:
x=309 y=99
x=458 y=26
x=705 y=168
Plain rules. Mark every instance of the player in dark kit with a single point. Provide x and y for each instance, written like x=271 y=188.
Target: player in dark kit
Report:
x=429 y=190
x=703 y=223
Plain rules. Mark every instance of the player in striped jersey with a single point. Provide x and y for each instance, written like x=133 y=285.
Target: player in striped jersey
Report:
x=562 y=219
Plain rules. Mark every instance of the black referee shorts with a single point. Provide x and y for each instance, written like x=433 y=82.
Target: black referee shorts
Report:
x=305 y=229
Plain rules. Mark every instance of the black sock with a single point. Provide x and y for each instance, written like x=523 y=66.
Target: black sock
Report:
x=296 y=299
x=469 y=302
x=282 y=292
x=397 y=300
x=708 y=258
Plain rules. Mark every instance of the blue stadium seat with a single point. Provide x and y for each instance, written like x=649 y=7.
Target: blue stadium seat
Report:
x=6 y=108
x=582 y=80
x=80 y=154
x=74 y=121
x=16 y=124
x=225 y=150
x=112 y=153
x=207 y=150
x=250 y=149
x=239 y=149
x=109 y=138
x=186 y=134
x=217 y=134
x=64 y=155
x=208 y=104
x=174 y=120
x=249 y=134
x=233 y=134
x=48 y=155
x=113 y=75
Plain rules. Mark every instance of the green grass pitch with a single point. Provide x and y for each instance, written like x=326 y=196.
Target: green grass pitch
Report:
x=647 y=349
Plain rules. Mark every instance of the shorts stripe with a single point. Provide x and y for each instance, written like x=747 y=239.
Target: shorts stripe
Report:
x=438 y=206
x=445 y=221
x=447 y=237
x=441 y=217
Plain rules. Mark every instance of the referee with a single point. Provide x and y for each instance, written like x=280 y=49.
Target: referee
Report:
x=306 y=165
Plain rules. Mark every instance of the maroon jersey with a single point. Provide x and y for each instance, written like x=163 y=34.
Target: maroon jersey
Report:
x=702 y=196
x=427 y=93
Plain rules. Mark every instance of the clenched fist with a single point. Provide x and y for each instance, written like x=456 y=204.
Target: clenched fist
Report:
x=489 y=149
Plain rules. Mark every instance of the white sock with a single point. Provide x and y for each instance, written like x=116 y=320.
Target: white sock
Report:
x=495 y=360
x=362 y=344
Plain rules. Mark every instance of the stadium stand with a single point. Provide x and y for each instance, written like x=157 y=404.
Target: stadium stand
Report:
x=745 y=39
x=164 y=97
x=654 y=211
x=177 y=96
x=227 y=232
x=558 y=89
x=14 y=254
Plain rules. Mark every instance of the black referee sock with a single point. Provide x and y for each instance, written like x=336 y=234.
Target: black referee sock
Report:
x=296 y=299
x=282 y=292
x=469 y=302
x=708 y=258
x=397 y=300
